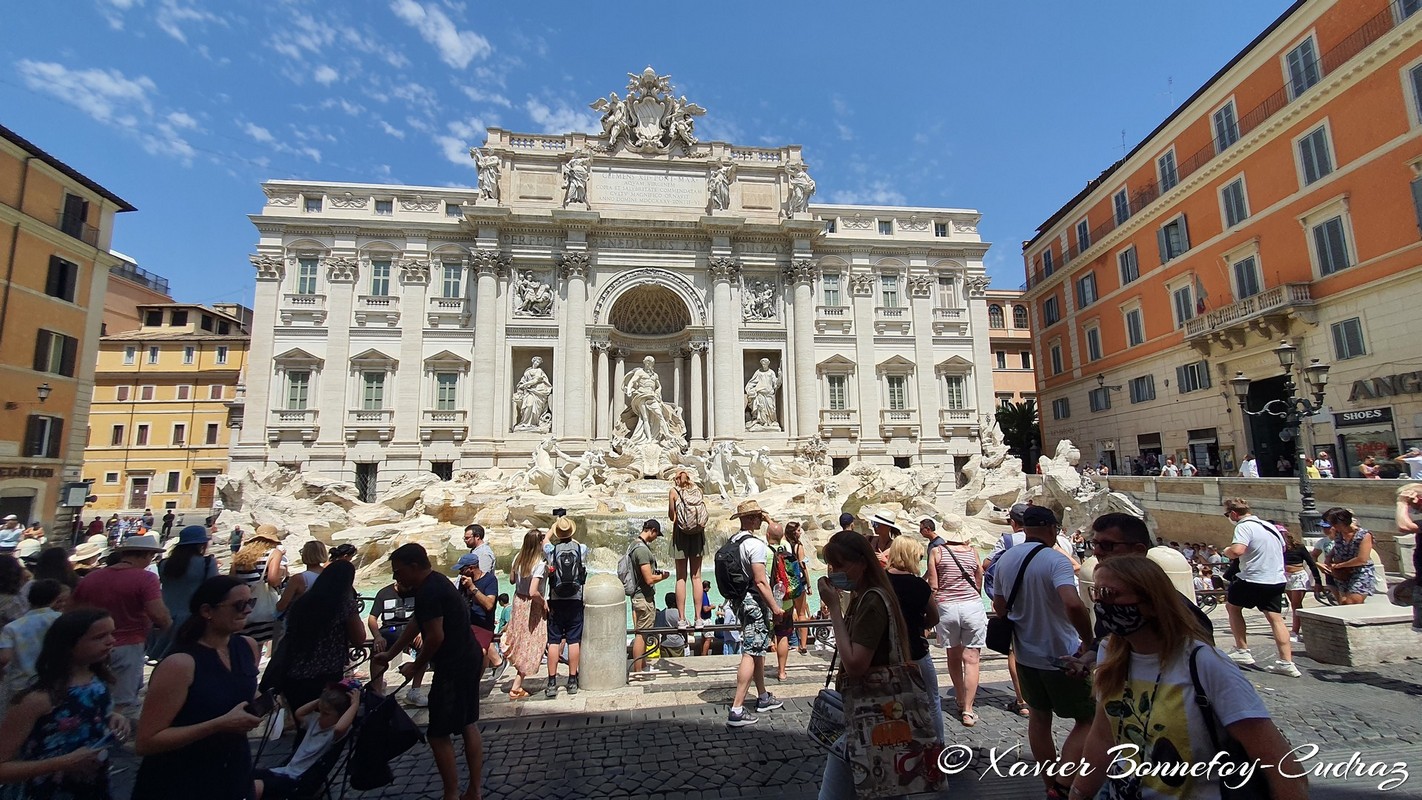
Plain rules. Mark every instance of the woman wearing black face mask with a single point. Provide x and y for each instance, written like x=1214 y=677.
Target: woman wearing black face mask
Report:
x=1146 y=695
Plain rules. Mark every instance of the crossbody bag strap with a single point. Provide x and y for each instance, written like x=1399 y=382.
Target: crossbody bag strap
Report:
x=895 y=643
x=966 y=576
x=1017 y=584
x=1203 y=700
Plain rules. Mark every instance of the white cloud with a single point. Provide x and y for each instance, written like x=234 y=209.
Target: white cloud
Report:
x=173 y=15
x=876 y=193
x=258 y=133
x=325 y=75
x=391 y=130
x=351 y=109
x=113 y=11
x=179 y=119
x=481 y=96
x=561 y=119
x=462 y=134
x=456 y=48
x=106 y=95
x=302 y=34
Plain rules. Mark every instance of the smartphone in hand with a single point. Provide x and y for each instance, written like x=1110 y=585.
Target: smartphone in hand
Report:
x=262 y=705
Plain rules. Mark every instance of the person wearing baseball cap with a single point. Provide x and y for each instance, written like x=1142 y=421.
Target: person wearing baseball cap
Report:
x=132 y=596
x=10 y=534
x=1412 y=462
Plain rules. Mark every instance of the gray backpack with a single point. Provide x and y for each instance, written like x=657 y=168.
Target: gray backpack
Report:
x=625 y=570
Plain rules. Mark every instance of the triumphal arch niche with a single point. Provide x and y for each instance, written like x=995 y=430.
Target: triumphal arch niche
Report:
x=459 y=328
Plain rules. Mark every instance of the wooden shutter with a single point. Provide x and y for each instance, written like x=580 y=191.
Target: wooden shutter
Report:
x=67 y=359
x=34 y=436
x=1180 y=379
x=54 y=281
x=1417 y=202
x=42 y=351
x=1160 y=242
x=56 y=432
x=1184 y=234
x=1204 y=374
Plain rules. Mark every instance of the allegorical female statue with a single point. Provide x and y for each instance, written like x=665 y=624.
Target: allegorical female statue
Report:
x=531 y=399
x=761 y=390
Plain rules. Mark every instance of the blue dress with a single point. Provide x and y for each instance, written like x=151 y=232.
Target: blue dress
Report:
x=80 y=720
x=218 y=767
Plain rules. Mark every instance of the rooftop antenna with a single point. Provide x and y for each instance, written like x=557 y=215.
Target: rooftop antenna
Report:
x=1123 y=142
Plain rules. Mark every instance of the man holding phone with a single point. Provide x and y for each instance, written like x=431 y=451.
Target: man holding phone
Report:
x=644 y=605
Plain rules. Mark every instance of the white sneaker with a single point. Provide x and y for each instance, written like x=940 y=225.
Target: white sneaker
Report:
x=417 y=697
x=1241 y=655
x=1295 y=639
x=1283 y=668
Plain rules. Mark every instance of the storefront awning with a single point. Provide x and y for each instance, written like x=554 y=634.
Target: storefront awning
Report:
x=1211 y=440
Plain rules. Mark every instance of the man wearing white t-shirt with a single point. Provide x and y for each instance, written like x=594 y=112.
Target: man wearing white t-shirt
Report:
x=1324 y=465
x=1260 y=584
x=1250 y=467
x=1412 y=462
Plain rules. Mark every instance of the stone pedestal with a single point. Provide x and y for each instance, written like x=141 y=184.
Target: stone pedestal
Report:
x=604 y=652
x=1375 y=632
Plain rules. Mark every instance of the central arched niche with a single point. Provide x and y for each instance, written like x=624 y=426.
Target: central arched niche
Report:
x=649 y=311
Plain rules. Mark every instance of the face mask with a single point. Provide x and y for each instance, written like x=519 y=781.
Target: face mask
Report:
x=1120 y=619
x=841 y=581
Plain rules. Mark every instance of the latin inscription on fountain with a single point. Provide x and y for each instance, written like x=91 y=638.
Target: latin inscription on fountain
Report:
x=665 y=189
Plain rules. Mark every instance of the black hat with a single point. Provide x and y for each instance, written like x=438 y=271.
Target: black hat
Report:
x=652 y=525
x=1038 y=517
x=1018 y=509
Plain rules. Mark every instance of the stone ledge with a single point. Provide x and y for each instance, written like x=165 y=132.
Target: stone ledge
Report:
x=1371 y=633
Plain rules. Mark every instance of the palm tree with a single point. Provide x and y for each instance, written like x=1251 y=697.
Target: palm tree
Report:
x=1018 y=422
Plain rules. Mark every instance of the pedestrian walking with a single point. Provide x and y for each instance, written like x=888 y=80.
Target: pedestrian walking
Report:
x=920 y=613
x=259 y=565
x=1249 y=467
x=645 y=575
x=179 y=576
x=686 y=508
x=754 y=609
x=798 y=568
x=568 y=572
x=1259 y=584
x=954 y=577
x=528 y=630
x=778 y=573
x=1350 y=561
x=168 y=518
x=1298 y=563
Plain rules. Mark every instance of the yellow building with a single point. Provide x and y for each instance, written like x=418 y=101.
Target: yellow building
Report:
x=55 y=229
x=165 y=400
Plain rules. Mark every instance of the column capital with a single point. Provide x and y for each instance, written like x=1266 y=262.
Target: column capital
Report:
x=978 y=284
x=341 y=269
x=801 y=271
x=724 y=268
x=601 y=347
x=574 y=265
x=699 y=347
x=269 y=267
x=414 y=272
x=922 y=285
x=494 y=261
x=862 y=283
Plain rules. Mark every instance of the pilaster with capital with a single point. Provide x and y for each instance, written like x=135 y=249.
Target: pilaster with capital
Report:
x=601 y=379
x=332 y=402
x=490 y=264
x=270 y=271
x=802 y=273
x=698 y=395
x=574 y=266
x=724 y=356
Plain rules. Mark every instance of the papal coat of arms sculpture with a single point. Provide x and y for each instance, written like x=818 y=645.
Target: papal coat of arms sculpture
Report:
x=651 y=118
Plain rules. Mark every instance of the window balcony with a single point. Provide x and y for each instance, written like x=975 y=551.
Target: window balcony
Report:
x=834 y=319
x=900 y=422
x=840 y=422
x=951 y=419
x=894 y=319
x=452 y=422
x=300 y=421
x=950 y=320
x=380 y=421
x=303 y=308
x=377 y=309
x=1268 y=314
x=448 y=312
x=75 y=226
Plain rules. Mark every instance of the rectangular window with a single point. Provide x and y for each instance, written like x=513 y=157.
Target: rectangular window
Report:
x=1143 y=389
x=453 y=210
x=206 y=323
x=957 y=386
x=1183 y=300
x=1236 y=209
x=1001 y=359
x=1314 y=157
x=75 y=216
x=886 y=227
x=121 y=393
x=889 y=289
x=1193 y=377
x=384 y=208
x=1246 y=278
x=1169 y=175
x=142 y=438
x=1047 y=267
x=1407 y=8
x=179 y=319
x=1330 y=243
x=453 y=280
x=898 y=392
x=1303 y=68
x=946 y=297
x=380 y=278
x=55 y=353
x=940 y=230
x=830 y=226
x=211 y=433
x=44 y=436
x=1135 y=327
x=184 y=391
x=116 y=436
x=222 y=354
x=62 y=279
x=174 y=481
x=1099 y=399
x=223 y=327
x=1348 y=339
x=1083 y=236
x=1093 y=344
x=189 y=354
x=1004 y=400
x=446 y=387
x=306 y=275
x=1128 y=264
x=830 y=285
x=153 y=319
x=1173 y=239
x=838 y=392
x=1061 y=408
x=110 y=477
x=1226 y=127
x=1056 y=352
x=298 y=387
x=312 y=205
x=1122 y=203
x=1415 y=78
x=1086 y=290
x=153 y=354
x=214 y=391
x=372 y=397
x=180 y=435
x=1050 y=312
x=130 y=355
x=145 y=393
x=1026 y=359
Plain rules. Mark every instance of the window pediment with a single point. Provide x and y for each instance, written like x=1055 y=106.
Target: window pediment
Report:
x=374 y=359
x=298 y=358
x=956 y=365
x=895 y=365
x=445 y=361
x=835 y=365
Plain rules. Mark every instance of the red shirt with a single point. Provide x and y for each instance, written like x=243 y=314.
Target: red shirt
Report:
x=122 y=591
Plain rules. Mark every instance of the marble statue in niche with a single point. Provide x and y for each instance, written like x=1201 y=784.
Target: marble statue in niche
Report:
x=488 y=165
x=531 y=399
x=576 y=172
x=719 y=184
x=761 y=392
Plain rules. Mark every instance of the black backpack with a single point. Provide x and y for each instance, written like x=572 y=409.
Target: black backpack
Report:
x=569 y=572
x=733 y=574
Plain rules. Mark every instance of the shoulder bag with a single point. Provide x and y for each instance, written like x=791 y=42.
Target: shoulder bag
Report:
x=966 y=576
x=1231 y=751
x=827 y=712
x=1000 y=629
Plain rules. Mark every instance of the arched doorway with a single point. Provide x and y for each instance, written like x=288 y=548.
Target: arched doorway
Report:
x=649 y=319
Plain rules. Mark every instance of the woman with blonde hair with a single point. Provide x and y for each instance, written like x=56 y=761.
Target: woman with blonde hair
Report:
x=687 y=510
x=1350 y=560
x=1167 y=697
x=528 y=628
x=920 y=613
x=313 y=557
x=258 y=564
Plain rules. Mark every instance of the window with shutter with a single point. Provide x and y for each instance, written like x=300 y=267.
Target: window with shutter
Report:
x=1348 y=339
x=61 y=280
x=1331 y=246
x=1314 y=157
x=1303 y=68
x=1417 y=202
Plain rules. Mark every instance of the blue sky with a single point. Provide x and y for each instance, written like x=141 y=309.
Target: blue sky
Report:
x=183 y=107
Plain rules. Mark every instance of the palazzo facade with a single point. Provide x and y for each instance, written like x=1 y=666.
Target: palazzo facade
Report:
x=400 y=329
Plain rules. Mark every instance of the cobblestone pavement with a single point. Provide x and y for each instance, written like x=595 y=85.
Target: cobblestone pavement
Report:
x=667 y=739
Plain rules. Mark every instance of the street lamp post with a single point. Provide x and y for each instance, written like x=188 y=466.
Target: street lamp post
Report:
x=1293 y=409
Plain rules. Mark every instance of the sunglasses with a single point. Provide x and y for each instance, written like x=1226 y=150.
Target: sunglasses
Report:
x=241 y=606
x=1103 y=593
x=1106 y=545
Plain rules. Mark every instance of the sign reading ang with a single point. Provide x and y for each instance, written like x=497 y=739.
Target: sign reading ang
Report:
x=1387 y=386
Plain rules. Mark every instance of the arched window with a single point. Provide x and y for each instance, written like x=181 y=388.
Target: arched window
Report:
x=1019 y=317
x=995 y=319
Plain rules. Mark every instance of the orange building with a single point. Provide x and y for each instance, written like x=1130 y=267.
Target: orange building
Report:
x=55 y=251
x=1010 y=340
x=131 y=286
x=1280 y=202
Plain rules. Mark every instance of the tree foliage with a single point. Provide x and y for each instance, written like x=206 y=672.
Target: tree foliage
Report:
x=1020 y=432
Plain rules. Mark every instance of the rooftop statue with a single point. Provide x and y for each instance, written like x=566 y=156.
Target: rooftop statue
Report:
x=650 y=119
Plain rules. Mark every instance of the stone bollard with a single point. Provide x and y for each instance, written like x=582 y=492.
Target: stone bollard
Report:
x=1169 y=559
x=604 y=651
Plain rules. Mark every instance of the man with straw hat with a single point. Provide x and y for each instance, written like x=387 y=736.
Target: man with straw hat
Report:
x=754 y=611
x=132 y=596
x=86 y=556
x=567 y=559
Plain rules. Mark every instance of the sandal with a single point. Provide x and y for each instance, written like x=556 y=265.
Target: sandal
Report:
x=969 y=718
x=1020 y=709
x=518 y=694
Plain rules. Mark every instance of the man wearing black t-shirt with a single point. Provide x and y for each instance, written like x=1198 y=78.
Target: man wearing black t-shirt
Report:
x=441 y=618
x=389 y=615
x=1119 y=534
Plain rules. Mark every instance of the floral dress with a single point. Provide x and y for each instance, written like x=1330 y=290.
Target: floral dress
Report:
x=1353 y=580
x=80 y=720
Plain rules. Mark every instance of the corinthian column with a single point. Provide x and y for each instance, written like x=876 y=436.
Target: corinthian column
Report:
x=698 y=413
x=575 y=366
x=490 y=264
x=601 y=378
x=802 y=274
x=727 y=415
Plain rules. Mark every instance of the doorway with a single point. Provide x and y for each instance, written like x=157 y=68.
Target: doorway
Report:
x=365 y=482
x=138 y=494
x=207 y=490
x=21 y=506
x=1266 y=431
